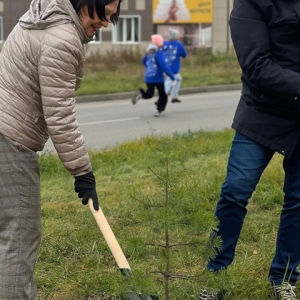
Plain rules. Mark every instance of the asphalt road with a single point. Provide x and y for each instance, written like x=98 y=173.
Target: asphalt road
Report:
x=105 y=124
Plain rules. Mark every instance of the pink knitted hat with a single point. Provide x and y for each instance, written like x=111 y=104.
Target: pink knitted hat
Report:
x=157 y=40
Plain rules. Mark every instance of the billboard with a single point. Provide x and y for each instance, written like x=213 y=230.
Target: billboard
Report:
x=182 y=11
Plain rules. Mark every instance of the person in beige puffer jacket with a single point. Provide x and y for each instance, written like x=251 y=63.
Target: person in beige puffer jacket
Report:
x=41 y=67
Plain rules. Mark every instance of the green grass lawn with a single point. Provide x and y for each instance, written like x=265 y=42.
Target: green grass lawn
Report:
x=147 y=188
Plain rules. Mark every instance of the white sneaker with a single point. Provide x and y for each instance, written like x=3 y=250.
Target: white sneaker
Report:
x=136 y=97
x=211 y=295
x=159 y=114
x=285 y=291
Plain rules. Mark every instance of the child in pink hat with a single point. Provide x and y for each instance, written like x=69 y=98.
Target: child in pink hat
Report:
x=155 y=68
x=157 y=40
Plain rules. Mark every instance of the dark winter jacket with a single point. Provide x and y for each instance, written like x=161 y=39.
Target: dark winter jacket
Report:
x=266 y=38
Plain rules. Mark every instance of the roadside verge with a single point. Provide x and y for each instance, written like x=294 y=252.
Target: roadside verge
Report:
x=183 y=91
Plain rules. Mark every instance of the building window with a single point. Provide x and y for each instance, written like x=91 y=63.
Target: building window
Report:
x=97 y=37
x=1 y=29
x=128 y=30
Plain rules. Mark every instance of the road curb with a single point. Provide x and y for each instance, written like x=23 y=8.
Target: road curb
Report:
x=183 y=91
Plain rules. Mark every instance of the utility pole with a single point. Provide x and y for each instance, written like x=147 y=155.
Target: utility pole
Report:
x=228 y=36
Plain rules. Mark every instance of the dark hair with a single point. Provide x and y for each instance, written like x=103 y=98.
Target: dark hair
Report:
x=99 y=6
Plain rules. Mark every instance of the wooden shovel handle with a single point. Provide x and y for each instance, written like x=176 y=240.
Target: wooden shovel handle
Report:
x=109 y=237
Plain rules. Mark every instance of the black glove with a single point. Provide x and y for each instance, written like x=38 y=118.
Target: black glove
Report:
x=85 y=187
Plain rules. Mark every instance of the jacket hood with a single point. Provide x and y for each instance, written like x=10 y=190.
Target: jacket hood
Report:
x=151 y=47
x=44 y=14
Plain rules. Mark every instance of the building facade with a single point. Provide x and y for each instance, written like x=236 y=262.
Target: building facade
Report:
x=202 y=23
x=220 y=29
x=10 y=12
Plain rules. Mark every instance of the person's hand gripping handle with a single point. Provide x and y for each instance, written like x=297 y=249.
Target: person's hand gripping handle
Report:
x=85 y=187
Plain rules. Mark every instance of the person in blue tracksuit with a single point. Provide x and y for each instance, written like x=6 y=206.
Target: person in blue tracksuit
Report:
x=155 y=67
x=174 y=50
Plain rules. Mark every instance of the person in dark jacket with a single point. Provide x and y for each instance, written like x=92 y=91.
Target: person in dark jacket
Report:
x=265 y=36
x=41 y=67
x=155 y=67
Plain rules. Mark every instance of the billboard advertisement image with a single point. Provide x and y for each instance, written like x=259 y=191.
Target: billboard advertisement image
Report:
x=182 y=11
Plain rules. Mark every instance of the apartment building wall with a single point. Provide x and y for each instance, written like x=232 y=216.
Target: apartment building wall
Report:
x=140 y=9
x=11 y=10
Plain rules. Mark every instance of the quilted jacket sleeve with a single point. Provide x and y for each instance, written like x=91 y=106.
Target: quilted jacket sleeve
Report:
x=60 y=60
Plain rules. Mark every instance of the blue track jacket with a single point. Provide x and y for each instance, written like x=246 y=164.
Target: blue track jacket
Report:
x=174 y=50
x=156 y=67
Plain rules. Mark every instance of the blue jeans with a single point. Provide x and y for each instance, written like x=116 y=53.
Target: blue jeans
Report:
x=247 y=161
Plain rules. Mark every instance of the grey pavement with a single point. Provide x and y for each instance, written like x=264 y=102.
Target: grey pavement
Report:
x=183 y=91
x=106 y=124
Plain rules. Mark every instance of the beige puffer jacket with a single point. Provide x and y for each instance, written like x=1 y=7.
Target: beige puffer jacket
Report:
x=41 y=67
